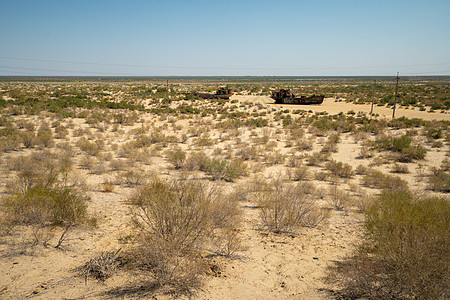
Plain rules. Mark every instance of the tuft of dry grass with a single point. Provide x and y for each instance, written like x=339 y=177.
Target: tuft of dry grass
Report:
x=102 y=266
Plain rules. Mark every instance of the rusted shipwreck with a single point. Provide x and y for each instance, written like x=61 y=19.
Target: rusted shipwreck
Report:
x=221 y=93
x=284 y=96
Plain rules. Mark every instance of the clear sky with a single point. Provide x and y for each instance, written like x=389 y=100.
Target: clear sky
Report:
x=242 y=37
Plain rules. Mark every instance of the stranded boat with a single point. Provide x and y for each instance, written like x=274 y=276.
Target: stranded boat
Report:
x=284 y=96
x=221 y=93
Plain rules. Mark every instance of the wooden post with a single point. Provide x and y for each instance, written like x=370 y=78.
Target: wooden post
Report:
x=373 y=96
x=395 y=99
x=168 y=100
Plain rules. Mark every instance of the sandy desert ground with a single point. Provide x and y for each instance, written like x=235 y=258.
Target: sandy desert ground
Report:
x=267 y=265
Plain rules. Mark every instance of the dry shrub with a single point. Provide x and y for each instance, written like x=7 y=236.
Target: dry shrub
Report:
x=294 y=161
x=108 y=186
x=339 y=199
x=359 y=136
x=365 y=152
x=317 y=158
x=247 y=152
x=142 y=155
x=439 y=180
x=286 y=208
x=45 y=139
x=10 y=143
x=28 y=139
x=131 y=178
x=117 y=165
x=273 y=158
x=377 y=179
x=305 y=145
x=363 y=201
x=339 y=169
x=404 y=254
x=39 y=169
x=177 y=220
x=218 y=169
x=400 y=169
x=88 y=147
x=176 y=157
x=102 y=266
x=196 y=161
x=298 y=173
x=331 y=144
x=321 y=176
x=361 y=169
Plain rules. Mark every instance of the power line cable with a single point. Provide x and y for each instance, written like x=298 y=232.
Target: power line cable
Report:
x=218 y=67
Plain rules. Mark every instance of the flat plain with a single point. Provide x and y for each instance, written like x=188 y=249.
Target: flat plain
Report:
x=272 y=195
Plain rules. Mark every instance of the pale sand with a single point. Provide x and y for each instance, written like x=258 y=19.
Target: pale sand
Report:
x=332 y=107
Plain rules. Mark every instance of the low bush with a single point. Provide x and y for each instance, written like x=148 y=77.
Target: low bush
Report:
x=404 y=254
x=317 y=158
x=286 y=208
x=228 y=170
x=401 y=147
x=377 y=179
x=338 y=199
x=297 y=173
x=45 y=139
x=401 y=169
x=339 y=169
x=439 y=180
x=88 y=147
x=102 y=266
x=43 y=207
x=176 y=157
x=176 y=220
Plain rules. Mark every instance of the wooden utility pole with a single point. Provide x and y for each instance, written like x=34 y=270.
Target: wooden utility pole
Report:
x=168 y=100
x=395 y=99
x=373 y=96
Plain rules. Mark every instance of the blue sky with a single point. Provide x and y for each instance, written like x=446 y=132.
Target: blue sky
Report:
x=246 y=37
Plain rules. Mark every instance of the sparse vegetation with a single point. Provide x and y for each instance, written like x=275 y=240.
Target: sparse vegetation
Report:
x=197 y=169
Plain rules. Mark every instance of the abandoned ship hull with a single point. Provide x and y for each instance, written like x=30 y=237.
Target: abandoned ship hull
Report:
x=221 y=93
x=284 y=96
x=212 y=96
x=301 y=100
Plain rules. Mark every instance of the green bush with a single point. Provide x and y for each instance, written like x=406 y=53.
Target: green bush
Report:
x=401 y=147
x=378 y=179
x=41 y=205
x=405 y=251
x=411 y=154
x=226 y=170
x=434 y=133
